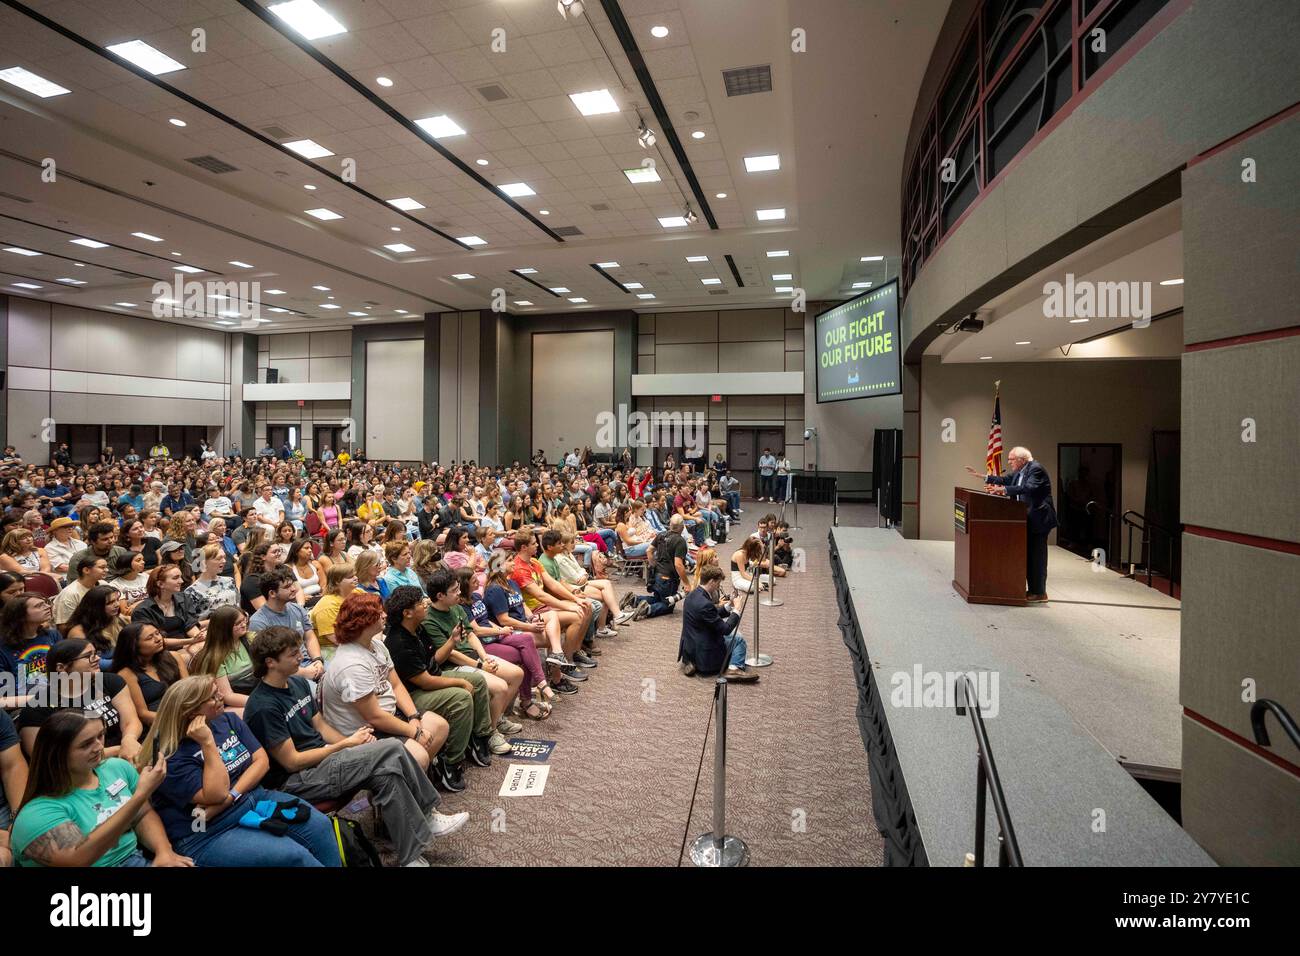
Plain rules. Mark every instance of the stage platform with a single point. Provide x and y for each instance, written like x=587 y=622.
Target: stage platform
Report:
x=1083 y=682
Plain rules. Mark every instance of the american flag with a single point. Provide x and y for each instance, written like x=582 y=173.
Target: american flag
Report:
x=993 y=456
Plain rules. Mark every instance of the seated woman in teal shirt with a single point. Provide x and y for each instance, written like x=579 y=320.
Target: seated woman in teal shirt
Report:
x=82 y=810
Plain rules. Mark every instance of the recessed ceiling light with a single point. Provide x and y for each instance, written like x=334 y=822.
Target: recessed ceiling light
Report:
x=322 y=288
x=544 y=212
x=229 y=313
x=659 y=31
x=126 y=305
x=711 y=281
x=29 y=81
x=985 y=358
x=276 y=308
x=89 y=243
x=672 y=222
x=406 y=204
x=481 y=162
x=1077 y=321
x=148 y=237
x=782 y=277
x=608 y=265
x=594 y=102
x=1024 y=343
x=361 y=314
x=762 y=164
x=328 y=305
x=273 y=292
x=559 y=289
x=645 y=295
x=515 y=190
x=189 y=269
x=399 y=247
x=70 y=281
x=176 y=253
x=307 y=18
x=642 y=174
x=871 y=258
x=720 y=196
x=146 y=57
x=323 y=214
x=578 y=299
x=633 y=285
x=395 y=228
x=862 y=285
x=18 y=250
x=383 y=81
x=308 y=148
x=522 y=302
x=697 y=258
x=27 y=285
x=463 y=275
x=697 y=134
x=177 y=122
x=329 y=297
x=224 y=321
x=440 y=127
x=80 y=265
x=526 y=272
x=472 y=240
x=768 y=214
x=785 y=288
x=309 y=186
x=1171 y=281
x=241 y=265
x=778 y=253
x=399 y=311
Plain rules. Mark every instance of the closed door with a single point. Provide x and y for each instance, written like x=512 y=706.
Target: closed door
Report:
x=328 y=436
x=741 y=459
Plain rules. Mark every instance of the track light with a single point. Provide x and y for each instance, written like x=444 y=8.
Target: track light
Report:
x=689 y=215
x=569 y=8
x=645 y=136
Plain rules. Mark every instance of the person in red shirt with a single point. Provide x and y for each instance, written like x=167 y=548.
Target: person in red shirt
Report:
x=543 y=593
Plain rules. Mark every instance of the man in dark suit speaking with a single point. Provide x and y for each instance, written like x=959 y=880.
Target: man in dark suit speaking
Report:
x=706 y=623
x=1027 y=481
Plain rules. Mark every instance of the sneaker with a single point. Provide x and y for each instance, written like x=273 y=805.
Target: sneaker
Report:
x=584 y=659
x=592 y=651
x=444 y=824
x=736 y=675
x=447 y=777
x=642 y=611
x=621 y=619
x=607 y=632
x=418 y=861
x=627 y=601
x=498 y=744
x=565 y=688
x=478 y=752
x=710 y=543
x=578 y=675
x=688 y=668
x=558 y=659
x=507 y=726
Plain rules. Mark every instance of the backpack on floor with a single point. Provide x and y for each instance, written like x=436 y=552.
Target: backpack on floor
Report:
x=355 y=848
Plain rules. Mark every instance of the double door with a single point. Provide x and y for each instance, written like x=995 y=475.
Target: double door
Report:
x=745 y=447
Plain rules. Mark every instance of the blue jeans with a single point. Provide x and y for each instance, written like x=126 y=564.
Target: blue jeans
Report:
x=662 y=588
x=135 y=859
x=765 y=485
x=226 y=843
x=739 y=653
x=697 y=530
x=609 y=536
x=636 y=550
x=733 y=501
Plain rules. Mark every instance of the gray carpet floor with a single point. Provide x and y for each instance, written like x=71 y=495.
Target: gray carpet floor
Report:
x=623 y=771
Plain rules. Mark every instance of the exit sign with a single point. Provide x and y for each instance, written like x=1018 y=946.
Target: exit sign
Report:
x=717 y=398
x=301 y=403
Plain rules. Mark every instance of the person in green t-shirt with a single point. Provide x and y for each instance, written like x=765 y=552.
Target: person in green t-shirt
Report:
x=83 y=810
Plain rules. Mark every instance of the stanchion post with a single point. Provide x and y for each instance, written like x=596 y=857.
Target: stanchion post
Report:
x=716 y=848
x=795 y=501
x=757 y=659
x=771 y=600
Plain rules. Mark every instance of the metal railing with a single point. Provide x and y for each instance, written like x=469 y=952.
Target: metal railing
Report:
x=1260 y=709
x=987 y=781
x=1146 y=526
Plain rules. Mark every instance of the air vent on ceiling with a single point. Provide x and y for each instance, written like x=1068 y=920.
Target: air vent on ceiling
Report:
x=279 y=132
x=748 y=79
x=493 y=93
x=15 y=198
x=212 y=164
x=567 y=231
x=600 y=207
x=718 y=291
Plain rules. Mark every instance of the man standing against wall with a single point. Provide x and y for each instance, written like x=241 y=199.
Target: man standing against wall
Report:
x=766 y=475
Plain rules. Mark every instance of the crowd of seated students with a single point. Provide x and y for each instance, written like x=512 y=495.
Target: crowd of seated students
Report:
x=235 y=640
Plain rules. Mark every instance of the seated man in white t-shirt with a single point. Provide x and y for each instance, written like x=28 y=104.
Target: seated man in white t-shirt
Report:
x=268 y=509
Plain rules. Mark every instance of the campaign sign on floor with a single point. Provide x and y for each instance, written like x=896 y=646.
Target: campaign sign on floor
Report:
x=523 y=780
x=536 y=750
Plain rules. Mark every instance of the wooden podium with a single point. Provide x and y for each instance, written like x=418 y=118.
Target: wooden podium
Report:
x=989 y=548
